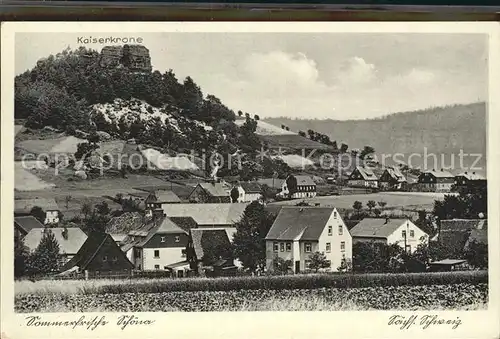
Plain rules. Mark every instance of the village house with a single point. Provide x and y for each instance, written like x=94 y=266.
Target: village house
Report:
x=401 y=232
x=246 y=192
x=470 y=180
x=99 y=255
x=362 y=177
x=210 y=192
x=436 y=181
x=49 y=206
x=298 y=186
x=164 y=245
x=298 y=232
x=392 y=180
x=209 y=250
x=69 y=239
x=24 y=224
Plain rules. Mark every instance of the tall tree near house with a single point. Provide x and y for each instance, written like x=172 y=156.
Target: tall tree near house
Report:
x=371 y=204
x=249 y=241
x=343 y=148
x=45 y=259
x=240 y=113
x=21 y=254
x=86 y=209
x=357 y=206
x=38 y=213
x=318 y=261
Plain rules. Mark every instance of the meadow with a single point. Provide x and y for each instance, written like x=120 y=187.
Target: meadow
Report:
x=326 y=292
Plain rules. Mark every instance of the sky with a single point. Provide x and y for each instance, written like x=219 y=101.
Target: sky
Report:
x=308 y=75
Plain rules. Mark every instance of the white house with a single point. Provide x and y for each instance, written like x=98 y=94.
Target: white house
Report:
x=298 y=186
x=246 y=192
x=389 y=231
x=298 y=232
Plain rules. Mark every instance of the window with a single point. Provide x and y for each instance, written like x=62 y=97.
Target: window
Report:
x=177 y=238
x=342 y=246
x=307 y=247
x=343 y=255
x=137 y=253
x=330 y=230
x=105 y=258
x=115 y=259
x=183 y=253
x=412 y=233
x=307 y=263
x=288 y=246
x=328 y=247
x=275 y=246
x=282 y=247
x=162 y=239
x=341 y=230
x=403 y=234
x=157 y=267
x=157 y=253
x=335 y=214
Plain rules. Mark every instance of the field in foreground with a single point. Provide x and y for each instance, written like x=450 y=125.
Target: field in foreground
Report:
x=431 y=297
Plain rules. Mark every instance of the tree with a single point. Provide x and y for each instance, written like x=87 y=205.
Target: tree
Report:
x=377 y=212
x=371 y=204
x=256 y=117
x=86 y=209
x=38 y=213
x=343 y=148
x=249 y=241
x=357 y=206
x=21 y=255
x=476 y=254
x=382 y=204
x=367 y=150
x=280 y=265
x=377 y=257
x=318 y=261
x=46 y=258
x=240 y=113
x=302 y=134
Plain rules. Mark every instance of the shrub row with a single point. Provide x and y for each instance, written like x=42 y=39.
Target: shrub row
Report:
x=293 y=282
x=434 y=297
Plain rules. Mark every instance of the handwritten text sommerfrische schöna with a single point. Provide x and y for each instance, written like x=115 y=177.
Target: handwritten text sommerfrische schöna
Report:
x=90 y=323
x=423 y=321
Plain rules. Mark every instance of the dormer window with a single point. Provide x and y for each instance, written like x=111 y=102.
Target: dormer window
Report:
x=177 y=238
x=162 y=239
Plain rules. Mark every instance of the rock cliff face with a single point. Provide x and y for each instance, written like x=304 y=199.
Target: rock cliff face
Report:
x=133 y=57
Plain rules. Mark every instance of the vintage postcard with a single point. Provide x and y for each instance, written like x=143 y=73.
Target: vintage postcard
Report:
x=248 y=180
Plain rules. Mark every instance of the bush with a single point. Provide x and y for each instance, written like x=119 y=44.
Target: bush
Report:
x=312 y=281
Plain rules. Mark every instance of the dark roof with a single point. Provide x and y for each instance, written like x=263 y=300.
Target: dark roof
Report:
x=464 y=224
x=203 y=239
x=395 y=174
x=186 y=223
x=304 y=180
x=448 y=262
x=163 y=226
x=301 y=223
x=163 y=196
x=472 y=176
x=89 y=250
x=27 y=223
x=376 y=227
x=251 y=187
x=366 y=173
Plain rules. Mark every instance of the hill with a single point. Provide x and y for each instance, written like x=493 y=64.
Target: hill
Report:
x=443 y=131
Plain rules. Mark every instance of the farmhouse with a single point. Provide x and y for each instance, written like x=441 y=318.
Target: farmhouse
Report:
x=69 y=239
x=22 y=225
x=392 y=179
x=298 y=232
x=436 y=181
x=456 y=234
x=99 y=254
x=470 y=180
x=389 y=231
x=362 y=177
x=210 y=192
x=246 y=192
x=49 y=206
x=164 y=245
x=209 y=249
x=298 y=186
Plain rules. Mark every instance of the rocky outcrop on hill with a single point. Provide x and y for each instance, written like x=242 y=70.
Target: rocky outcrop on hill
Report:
x=134 y=57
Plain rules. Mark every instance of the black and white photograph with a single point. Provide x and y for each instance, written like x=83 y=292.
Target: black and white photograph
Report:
x=239 y=171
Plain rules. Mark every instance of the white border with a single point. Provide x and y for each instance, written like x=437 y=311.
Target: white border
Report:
x=479 y=324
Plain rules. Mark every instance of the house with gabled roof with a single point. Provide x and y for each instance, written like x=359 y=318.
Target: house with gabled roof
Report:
x=401 y=232
x=298 y=232
x=49 y=206
x=99 y=254
x=209 y=249
x=436 y=181
x=210 y=192
x=392 y=179
x=470 y=180
x=298 y=186
x=24 y=224
x=156 y=199
x=164 y=245
x=363 y=177
x=69 y=239
x=246 y=192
